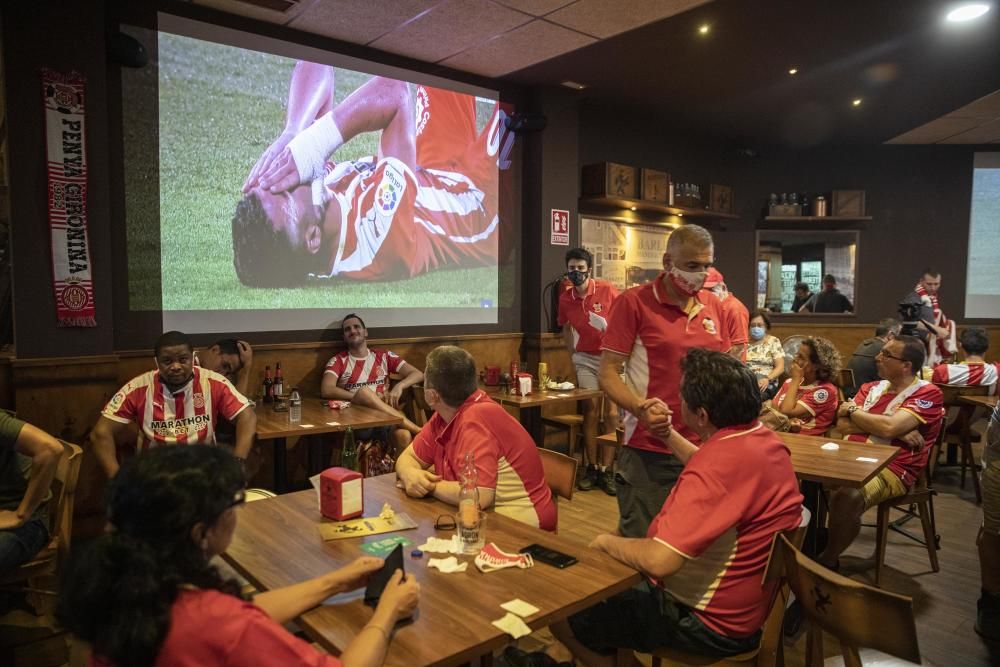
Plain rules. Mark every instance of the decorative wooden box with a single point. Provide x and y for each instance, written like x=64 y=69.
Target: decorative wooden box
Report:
x=785 y=210
x=848 y=203
x=655 y=185
x=608 y=179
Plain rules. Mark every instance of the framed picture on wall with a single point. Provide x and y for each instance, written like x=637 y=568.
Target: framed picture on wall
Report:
x=720 y=198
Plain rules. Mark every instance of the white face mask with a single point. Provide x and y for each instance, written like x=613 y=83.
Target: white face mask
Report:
x=687 y=282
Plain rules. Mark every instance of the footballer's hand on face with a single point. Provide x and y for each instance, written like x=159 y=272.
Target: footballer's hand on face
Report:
x=265 y=161
x=282 y=175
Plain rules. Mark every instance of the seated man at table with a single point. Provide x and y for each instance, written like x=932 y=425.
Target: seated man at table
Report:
x=988 y=607
x=973 y=371
x=361 y=375
x=705 y=553
x=177 y=404
x=510 y=474
x=229 y=357
x=900 y=410
x=862 y=362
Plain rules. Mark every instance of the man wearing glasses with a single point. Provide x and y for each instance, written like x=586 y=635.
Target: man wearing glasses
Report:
x=900 y=410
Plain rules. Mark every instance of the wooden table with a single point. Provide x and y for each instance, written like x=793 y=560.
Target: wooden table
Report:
x=277 y=544
x=275 y=426
x=530 y=406
x=980 y=401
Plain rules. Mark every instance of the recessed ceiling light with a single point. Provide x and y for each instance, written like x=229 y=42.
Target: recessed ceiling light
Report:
x=703 y=29
x=967 y=12
x=856 y=102
x=680 y=215
x=633 y=208
x=574 y=85
x=793 y=71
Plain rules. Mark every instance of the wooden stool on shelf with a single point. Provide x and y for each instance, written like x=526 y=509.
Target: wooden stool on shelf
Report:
x=845 y=609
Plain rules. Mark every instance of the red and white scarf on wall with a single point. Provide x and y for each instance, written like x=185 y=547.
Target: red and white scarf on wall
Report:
x=66 y=161
x=938 y=348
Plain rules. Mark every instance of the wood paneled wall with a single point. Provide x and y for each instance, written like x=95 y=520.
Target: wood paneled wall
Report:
x=65 y=396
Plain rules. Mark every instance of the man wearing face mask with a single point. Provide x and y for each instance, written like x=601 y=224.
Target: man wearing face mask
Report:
x=736 y=317
x=583 y=312
x=652 y=327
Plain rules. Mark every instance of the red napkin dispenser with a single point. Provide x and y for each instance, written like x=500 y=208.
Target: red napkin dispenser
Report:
x=491 y=376
x=341 y=494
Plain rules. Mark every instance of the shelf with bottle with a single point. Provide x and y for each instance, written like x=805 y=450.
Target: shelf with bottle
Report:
x=594 y=204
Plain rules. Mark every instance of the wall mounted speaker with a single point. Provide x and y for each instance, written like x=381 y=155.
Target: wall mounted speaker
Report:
x=126 y=50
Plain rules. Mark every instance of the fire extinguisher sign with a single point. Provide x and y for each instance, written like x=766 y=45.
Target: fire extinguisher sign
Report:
x=560 y=227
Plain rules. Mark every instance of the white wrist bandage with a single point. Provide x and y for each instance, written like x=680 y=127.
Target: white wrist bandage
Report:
x=311 y=146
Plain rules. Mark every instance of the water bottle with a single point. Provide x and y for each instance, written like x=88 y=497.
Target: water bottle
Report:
x=349 y=455
x=295 y=406
x=470 y=528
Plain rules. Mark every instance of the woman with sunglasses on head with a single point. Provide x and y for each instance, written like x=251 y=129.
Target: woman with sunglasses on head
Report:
x=144 y=593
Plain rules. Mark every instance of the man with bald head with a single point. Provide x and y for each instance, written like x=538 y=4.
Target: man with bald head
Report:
x=651 y=328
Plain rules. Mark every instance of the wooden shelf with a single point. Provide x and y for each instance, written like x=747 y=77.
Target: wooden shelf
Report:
x=652 y=207
x=816 y=218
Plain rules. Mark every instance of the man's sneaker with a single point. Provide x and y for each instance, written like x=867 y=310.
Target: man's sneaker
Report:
x=589 y=479
x=607 y=482
x=988 y=616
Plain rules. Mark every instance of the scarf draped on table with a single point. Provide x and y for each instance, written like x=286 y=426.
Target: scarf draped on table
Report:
x=938 y=348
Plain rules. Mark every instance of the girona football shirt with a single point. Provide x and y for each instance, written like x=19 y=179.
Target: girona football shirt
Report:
x=371 y=371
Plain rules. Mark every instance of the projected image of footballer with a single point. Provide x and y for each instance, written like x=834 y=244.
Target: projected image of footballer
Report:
x=428 y=200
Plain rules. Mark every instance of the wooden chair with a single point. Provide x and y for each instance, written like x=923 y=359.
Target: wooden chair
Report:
x=421 y=411
x=845 y=378
x=952 y=395
x=560 y=472
x=857 y=614
x=572 y=424
x=770 y=652
x=53 y=556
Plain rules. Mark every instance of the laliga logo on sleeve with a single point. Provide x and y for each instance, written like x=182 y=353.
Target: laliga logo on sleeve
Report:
x=924 y=405
x=821 y=395
x=709 y=325
x=390 y=191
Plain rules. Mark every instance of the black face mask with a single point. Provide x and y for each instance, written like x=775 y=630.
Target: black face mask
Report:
x=577 y=277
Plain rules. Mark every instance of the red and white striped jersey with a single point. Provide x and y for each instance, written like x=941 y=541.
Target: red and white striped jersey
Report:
x=187 y=416
x=967 y=374
x=373 y=371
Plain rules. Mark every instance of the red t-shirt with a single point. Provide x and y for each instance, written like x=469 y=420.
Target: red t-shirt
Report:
x=506 y=458
x=353 y=373
x=735 y=320
x=819 y=399
x=212 y=628
x=576 y=311
x=734 y=494
x=655 y=335
x=924 y=401
x=187 y=416
x=967 y=374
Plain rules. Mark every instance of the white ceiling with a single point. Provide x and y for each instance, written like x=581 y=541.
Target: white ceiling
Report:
x=486 y=37
x=975 y=123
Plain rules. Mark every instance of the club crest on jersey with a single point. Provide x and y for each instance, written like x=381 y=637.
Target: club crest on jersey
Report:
x=821 y=395
x=709 y=325
x=597 y=307
x=924 y=404
x=423 y=113
x=198 y=400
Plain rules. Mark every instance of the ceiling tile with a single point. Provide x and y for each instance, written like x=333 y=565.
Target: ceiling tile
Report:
x=359 y=21
x=935 y=131
x=984 y=134
x=261 y=13
x=604 y=18
x=450 y=28
x=535 y=7
x=529 y=44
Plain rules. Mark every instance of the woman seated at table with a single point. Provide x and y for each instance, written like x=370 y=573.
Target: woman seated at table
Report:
x=765 y=356
x=144 y=593
x=809 y=397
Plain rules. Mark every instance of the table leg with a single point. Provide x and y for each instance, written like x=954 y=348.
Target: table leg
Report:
x=812 y=493
x=531 y=419
x=280 y=466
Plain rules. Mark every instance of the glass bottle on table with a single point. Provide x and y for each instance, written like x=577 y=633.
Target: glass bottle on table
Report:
x=279 y=381
x=470 y=516
x=349 y=454
x=295 y=406
x=268 y=386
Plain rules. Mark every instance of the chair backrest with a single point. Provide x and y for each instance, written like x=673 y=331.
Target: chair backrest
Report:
x=421 y=411
x=560 y=472
x=620 y=436
x=63 y=497
x=952 y=392
x=845 y=608
x=845 y=377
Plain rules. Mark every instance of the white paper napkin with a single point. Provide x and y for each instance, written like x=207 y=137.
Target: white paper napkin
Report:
x=447 y=565
x=437 y=545
x=520 y=607
x=513 y=626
